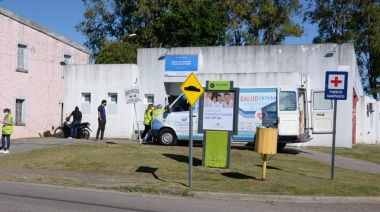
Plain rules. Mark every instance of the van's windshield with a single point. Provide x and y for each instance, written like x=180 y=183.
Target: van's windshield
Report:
x=180 y=105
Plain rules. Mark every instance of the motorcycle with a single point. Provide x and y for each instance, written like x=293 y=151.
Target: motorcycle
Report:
x=63 y=131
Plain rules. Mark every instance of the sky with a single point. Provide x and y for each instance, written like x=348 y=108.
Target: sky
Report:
x=61 y=16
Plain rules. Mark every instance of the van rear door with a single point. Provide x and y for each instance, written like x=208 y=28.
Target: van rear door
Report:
x=288 y=111
x=322 y=112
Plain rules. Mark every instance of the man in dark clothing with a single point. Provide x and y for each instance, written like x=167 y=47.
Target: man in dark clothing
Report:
x=77 y=119
x=101 y=120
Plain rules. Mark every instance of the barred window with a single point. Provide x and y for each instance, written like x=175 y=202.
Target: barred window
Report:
x=22 y=56
x=20 y=112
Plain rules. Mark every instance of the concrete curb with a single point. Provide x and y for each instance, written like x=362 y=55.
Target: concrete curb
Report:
x=291 y=199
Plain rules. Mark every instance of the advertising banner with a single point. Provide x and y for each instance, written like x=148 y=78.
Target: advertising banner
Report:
x=218 y=111
x=257 y=107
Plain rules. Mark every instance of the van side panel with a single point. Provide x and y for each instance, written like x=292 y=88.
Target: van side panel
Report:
x=257 y=107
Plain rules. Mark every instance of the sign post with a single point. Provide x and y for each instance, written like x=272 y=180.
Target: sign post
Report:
x=335 y=89
x=218 y=112
x=132 y=95
x=192 y=89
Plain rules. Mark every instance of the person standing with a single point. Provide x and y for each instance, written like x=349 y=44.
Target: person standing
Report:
x=7 y=130
x=147 y=121
x=101 y=120
x=157 y=111
x=77 y=119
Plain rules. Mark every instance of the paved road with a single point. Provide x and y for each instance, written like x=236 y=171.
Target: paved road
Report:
x=17 y=197
x=22 y=145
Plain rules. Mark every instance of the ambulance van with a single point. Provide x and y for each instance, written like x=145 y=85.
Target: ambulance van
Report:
x=285 y=108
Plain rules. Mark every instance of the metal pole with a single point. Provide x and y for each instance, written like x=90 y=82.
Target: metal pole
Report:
x=137 y=123
x=265 y=160
x=191 y=148
x=333 y=143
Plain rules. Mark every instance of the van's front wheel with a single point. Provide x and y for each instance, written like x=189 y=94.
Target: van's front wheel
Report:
x=167 y=137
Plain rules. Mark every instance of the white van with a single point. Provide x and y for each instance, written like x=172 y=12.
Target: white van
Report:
x=285 y=108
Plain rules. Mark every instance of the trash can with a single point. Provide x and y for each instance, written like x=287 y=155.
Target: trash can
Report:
x=266 y=140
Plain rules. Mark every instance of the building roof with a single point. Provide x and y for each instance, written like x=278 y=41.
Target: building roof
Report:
x=42 y=29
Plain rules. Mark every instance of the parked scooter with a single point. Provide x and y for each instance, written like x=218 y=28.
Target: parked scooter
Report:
x=63 y=131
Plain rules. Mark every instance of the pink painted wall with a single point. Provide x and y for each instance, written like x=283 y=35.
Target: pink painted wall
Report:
x=43 y=86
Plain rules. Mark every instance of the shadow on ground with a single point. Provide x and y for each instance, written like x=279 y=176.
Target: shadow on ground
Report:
x=291 y=151
x=279 y=169
x=238 y=176
x=150 y=170
x=183 y=159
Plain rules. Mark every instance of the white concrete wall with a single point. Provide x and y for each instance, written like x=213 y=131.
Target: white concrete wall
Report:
x=247 y=66
x=237 y=63
x=369 y=121
x=99 y=81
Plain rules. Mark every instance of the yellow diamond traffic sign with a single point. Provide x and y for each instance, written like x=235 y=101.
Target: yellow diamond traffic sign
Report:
x=192 y=89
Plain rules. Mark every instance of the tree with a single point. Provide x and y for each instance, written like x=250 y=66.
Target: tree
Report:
x=332 y=18
x=265 y=22
x=189 y=22
x=96 y=24
x=192 y=23
x=109 y=20
x=356 y=21
x=366 y=24
x=117 y=53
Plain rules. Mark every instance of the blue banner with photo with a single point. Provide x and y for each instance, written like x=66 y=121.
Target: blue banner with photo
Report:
x=181 y=65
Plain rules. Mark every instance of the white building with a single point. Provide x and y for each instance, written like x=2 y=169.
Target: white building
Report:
x=246 y=66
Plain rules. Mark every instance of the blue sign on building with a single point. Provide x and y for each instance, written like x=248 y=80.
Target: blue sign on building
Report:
x=181 y=65
x=336 y=85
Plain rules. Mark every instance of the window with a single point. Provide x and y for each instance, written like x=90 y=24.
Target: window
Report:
x=112 y=98
x=181 y=105
x=288 y=101
x=86 y=103
x=86 y=98
x=320 y=103
x=68 y=59
x=22 y=56
x=112 y=103
x=19 y=119
x=149 y=99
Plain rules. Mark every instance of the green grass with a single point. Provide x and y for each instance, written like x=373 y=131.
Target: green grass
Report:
x=368 y=152
x=287 y=174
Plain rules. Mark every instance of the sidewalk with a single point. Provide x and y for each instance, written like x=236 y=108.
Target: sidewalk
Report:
x=342 y=162
x=125 y=182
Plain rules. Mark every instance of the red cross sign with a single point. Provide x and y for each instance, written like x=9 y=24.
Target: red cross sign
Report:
x=336 y=81
x=336 y=85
